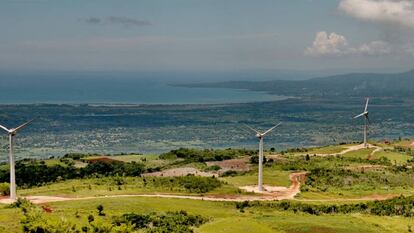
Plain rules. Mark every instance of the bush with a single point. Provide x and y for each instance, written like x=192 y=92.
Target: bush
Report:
x=179 y=221
x=255 y=159
x=190 y=183
x=197 y=184
x=4 y=189
x=213 y=168
x=100 y=209
x=400 y=206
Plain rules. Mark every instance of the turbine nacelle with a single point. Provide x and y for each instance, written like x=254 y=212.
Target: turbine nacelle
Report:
x=259 y=135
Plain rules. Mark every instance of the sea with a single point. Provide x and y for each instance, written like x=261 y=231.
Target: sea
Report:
x=116 y=89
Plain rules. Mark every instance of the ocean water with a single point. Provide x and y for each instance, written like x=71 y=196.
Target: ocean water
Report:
x=112 y=90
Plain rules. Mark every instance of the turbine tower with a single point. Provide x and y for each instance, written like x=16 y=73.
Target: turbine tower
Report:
x=365 y=114
x=12 y=133
x=260 y=136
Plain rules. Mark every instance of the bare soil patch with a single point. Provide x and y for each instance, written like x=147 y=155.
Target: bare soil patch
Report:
x=105 y=159
x=280 y=192
x=232 y=164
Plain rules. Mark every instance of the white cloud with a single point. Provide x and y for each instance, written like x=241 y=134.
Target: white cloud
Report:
x=400 y=12
x=337 y=45
x=324 y=44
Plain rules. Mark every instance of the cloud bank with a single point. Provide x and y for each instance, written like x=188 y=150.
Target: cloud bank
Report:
x=400 y=12
x=394 y=18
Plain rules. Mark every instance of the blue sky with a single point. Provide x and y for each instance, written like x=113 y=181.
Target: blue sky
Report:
x=212 y=35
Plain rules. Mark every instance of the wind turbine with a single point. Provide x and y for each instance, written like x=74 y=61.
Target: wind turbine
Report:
x=365 y=114
x=260 y=136
x=12 y=133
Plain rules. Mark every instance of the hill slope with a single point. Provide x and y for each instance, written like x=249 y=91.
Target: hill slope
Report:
x=370 y=84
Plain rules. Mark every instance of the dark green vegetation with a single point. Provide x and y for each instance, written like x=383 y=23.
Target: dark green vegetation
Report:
x=34 y=221
x=400 y=206
x=322 y=179
x=192 y=184
x=195 y=155
x=32 y=172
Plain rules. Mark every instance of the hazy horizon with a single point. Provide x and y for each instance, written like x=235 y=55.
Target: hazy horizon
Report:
x=331 y=37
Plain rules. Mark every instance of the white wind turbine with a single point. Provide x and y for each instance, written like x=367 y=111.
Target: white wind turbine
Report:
x=260 y=136
x=365 y=114
x=12 y=133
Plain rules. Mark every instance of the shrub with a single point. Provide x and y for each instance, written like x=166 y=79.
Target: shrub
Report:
x=100 y=209
x=4 y=189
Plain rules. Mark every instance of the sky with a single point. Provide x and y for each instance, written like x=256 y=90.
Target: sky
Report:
x=207 y=35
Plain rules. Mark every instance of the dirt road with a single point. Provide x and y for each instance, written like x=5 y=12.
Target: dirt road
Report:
x=354 y=148
x=273 y=193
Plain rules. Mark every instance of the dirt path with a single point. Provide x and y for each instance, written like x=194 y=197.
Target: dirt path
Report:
x=272 y=193
x=354 y=148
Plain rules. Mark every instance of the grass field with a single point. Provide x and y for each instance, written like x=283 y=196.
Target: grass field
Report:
x=362 y=153
x=331 y=149
x=224 y=217
x=271 y=176
x=394 y=157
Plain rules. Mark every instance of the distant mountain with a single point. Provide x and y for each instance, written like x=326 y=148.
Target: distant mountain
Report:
x=363 y=84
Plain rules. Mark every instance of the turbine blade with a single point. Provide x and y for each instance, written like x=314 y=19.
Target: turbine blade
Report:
x=269 y=130
x=366 y=105
x=23 y=125
x=360 y=115
x=251 y=128
x=4 y=128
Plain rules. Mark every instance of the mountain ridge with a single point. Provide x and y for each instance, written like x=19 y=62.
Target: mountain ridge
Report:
x=354 y=84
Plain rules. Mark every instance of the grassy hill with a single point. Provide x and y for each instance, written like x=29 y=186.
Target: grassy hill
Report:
x=346 y=189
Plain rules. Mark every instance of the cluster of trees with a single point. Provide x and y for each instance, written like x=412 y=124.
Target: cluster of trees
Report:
x=191 y=183
x=35 y=221
x=399 y=206
x=320 y=178
x=233 y=173
x=307 y=163
x=179 y=221
x=37 y=173
x=255 y=160
x=294 y=150
x=403 y=150
x=78 y=156
x=196 y=155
